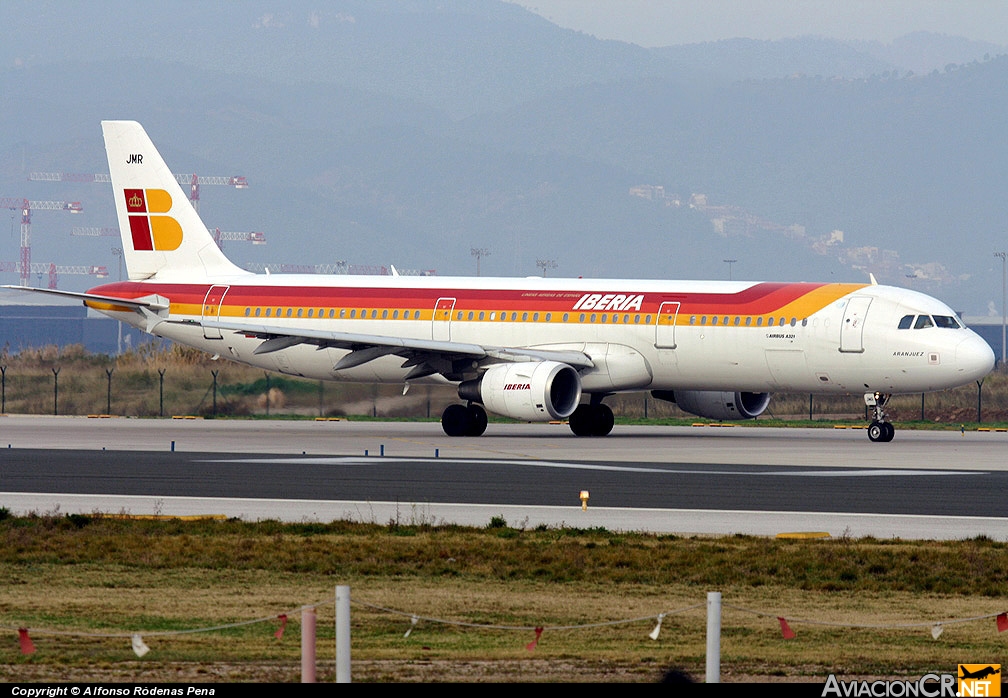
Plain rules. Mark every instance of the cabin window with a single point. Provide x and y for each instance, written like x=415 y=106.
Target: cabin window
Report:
x=481 y=315
x=581 y=318
x=804 y=322
x=395 y=314
x=603 y=318
x=692 y=319
x=353 y=313
x=737 y=320
x=647 y=319
x=524 y=317
x=384 y=314
x=794 y=321
x=311 y=312
x=748 y=321
x=636 y=319
x=342 y=313
x=549 y=316
x=566 y=316
x=268 y=311
x=290 y=311
x=535 y=317
x=703 y=319
x=713 y=320
x=593 y=316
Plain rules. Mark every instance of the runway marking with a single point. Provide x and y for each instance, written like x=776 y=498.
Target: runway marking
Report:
x=376 y=460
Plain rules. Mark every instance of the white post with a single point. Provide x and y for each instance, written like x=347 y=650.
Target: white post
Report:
x=342 y=634
x=713 y=637
x=307 y=645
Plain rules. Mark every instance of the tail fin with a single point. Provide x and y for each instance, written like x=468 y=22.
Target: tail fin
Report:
x=161 y=232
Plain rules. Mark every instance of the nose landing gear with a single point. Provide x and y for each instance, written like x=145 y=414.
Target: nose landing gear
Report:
x=880 y=429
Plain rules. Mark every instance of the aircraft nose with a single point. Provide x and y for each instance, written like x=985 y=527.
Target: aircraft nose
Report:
x=974 y=357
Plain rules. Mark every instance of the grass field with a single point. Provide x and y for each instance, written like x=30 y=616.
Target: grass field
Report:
x=206 y=596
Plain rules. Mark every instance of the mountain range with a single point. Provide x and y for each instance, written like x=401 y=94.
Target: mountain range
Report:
x=412 y=133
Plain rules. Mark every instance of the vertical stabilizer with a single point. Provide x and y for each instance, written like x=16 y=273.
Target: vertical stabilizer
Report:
x=161 y=232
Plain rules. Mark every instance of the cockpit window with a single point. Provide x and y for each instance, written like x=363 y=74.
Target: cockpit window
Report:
x=922 y=322
x=947 y=321
x=905 y=322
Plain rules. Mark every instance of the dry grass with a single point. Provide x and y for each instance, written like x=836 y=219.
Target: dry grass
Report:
x=70 y=381
x=859 y=607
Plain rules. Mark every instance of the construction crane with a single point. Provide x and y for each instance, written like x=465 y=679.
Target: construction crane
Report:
x=338 y=268
x=26 y=207
x=219 y=236
x=255 y=238
x=54 y=271
x=192 y=180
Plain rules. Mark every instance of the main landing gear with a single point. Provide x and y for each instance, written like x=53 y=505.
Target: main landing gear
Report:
x=880 y=429
x=595 y=419
x=464 y=420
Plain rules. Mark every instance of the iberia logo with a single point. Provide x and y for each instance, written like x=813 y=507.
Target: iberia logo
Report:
x=150 y=229
x=979 y=680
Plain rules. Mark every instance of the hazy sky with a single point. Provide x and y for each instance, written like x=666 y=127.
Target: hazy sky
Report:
x=667 y=22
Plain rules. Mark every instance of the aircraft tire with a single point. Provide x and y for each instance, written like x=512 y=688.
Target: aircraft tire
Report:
x=455 y=420
x=580 y=421
x=875 y=432
x=477 y=420
x=591 y=420
x=602 y=420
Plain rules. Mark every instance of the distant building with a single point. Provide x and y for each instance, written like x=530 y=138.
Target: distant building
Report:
x=33 y=326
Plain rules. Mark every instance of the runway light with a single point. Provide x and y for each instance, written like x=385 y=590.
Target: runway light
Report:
x=584 y=500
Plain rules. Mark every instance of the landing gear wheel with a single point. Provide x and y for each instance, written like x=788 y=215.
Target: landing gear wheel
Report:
x=880 y=430
x=464 y=420
x=876 y=431
x=455 y=420
x=477 y=420
x=591 y=420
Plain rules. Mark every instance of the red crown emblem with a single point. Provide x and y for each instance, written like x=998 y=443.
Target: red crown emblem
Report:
x=135 y=201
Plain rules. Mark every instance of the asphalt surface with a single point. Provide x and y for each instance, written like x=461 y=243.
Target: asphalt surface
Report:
x=685 y=480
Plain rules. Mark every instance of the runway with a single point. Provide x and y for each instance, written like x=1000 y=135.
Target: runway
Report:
x=678 y=480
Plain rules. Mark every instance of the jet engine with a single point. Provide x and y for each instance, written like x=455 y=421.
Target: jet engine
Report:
x=533 y=391
x=717 y=404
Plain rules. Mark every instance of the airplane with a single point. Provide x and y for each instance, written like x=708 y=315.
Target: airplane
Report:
x=533 y=349
x=980 y=673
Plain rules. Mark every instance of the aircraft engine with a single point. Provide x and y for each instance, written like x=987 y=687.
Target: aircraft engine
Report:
x=717 y=404
x=534 y=391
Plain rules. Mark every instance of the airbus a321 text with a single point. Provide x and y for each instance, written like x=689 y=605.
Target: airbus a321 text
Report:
x=533 y=349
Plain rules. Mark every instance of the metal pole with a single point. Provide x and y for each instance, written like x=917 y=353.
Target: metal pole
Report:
x=1004 y=300
x=108 y=396
x=713 y=637
x=161 y=372
x=307 y=645
x=342 y=634
x=55 y=399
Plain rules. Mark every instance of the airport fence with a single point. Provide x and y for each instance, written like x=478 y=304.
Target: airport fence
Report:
x=153 y=381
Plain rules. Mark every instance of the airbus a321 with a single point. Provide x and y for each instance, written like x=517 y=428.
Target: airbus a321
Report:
x=533 y=349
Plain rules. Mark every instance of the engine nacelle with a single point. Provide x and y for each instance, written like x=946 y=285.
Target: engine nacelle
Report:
x=717 y=404
x=534 y=391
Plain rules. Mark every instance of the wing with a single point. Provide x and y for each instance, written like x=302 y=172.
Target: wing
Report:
x=424 y=357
